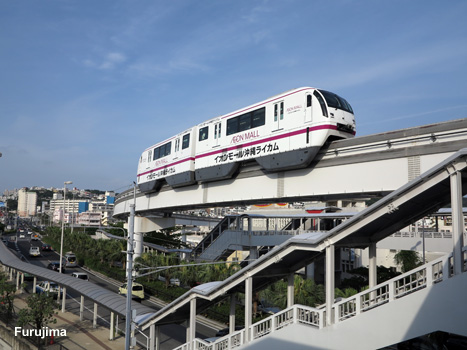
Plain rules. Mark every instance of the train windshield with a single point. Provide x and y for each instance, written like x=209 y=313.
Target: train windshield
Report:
x=336 y=101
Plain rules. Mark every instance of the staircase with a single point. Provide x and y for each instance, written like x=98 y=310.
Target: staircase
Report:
x=427 y=299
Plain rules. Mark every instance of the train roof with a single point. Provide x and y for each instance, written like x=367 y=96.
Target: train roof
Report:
x=258 y=104
x=169 y=139
x=238 y=111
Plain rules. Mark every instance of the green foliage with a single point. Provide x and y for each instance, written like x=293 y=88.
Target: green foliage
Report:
x=40 y=311
x=306 y=292
x=408 y=259
x=7 y=295
x=88 y=251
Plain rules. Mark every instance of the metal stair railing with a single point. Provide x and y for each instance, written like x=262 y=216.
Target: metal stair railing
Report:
x=410 y=282
x=223 y=225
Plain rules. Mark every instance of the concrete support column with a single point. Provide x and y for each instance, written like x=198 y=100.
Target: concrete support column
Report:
x=192 y=328
x=248 y=307
x=22 y=281
x=94 y=317
x=233 y=302
x=372 y=274
x=290 y=289
x=112 y=326
x=310 y=271
x=34 y=283
x=457 y=221
x=17 y=280
x=329 y=281
x=63 y=299
x=253 y=254
x=81 y=308
x=154 y=337
x=11 y=274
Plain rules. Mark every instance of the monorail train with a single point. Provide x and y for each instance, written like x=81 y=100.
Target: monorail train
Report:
x=283 y=132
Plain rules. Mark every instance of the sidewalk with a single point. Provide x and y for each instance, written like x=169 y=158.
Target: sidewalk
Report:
x=79 y=334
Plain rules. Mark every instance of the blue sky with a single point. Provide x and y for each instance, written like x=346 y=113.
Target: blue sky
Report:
x=86 y=86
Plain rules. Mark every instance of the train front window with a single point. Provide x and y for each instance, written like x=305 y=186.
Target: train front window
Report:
x=186 y=141
x=321 y=103
x=336 y=101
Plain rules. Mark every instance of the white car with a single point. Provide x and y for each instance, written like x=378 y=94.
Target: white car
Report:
x=80 y=275
x=34 y=251
x=50 y=288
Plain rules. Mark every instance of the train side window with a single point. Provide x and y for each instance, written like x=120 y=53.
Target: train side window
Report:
x=282 y=111
x=321 y=103
x=149 y=156
x=161 y=151
x=232 y=126
x=168 y=147
x=258 y=118
x=156 y=153
x=203 y=133
x=275 y=112
x=186 y=141
x=177 y=145
x=308 y=100
x=245 y=122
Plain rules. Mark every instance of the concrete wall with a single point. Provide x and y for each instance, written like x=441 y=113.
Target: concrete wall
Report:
x=9 y=341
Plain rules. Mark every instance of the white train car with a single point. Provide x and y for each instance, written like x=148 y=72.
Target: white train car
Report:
x=283 y=132
x=171 y=161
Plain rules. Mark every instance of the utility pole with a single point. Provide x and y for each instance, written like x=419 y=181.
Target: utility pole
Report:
x=129 y=273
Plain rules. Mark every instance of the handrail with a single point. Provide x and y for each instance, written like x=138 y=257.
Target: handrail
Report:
x=410 y=282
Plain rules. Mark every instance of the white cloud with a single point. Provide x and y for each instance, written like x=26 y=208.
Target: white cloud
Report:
x=110 y=61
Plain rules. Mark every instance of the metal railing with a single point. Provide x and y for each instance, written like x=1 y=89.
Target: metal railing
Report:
x=417 y=279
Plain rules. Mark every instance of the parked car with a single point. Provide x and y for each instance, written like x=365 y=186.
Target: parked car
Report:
x=49 y=288
x=55 y=265
x=46 y=247
x=81 y=275
x=136 y=293
x=34 y=251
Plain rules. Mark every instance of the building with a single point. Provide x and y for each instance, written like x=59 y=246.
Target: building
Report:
x=27 y=203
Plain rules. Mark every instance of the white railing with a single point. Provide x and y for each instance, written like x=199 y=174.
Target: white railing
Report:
x=424 y=276
x=407 y=283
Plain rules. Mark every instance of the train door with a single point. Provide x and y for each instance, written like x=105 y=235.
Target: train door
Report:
x=217 y=134
x=309 y=108
x=177 y=148
x=278 y=114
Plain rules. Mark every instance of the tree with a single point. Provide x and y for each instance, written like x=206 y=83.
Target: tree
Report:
x=40 y=311
x=7 y=295
x=409 y=260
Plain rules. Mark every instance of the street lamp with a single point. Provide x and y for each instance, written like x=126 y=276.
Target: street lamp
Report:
x=63 y=223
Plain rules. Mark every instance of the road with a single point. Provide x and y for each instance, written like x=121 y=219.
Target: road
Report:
x=171 y=335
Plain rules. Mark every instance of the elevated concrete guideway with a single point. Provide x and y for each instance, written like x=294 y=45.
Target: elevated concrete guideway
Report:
x=372 y=165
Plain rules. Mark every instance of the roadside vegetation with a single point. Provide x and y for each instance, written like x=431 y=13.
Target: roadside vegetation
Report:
x=7 y=296
x=108 y=257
